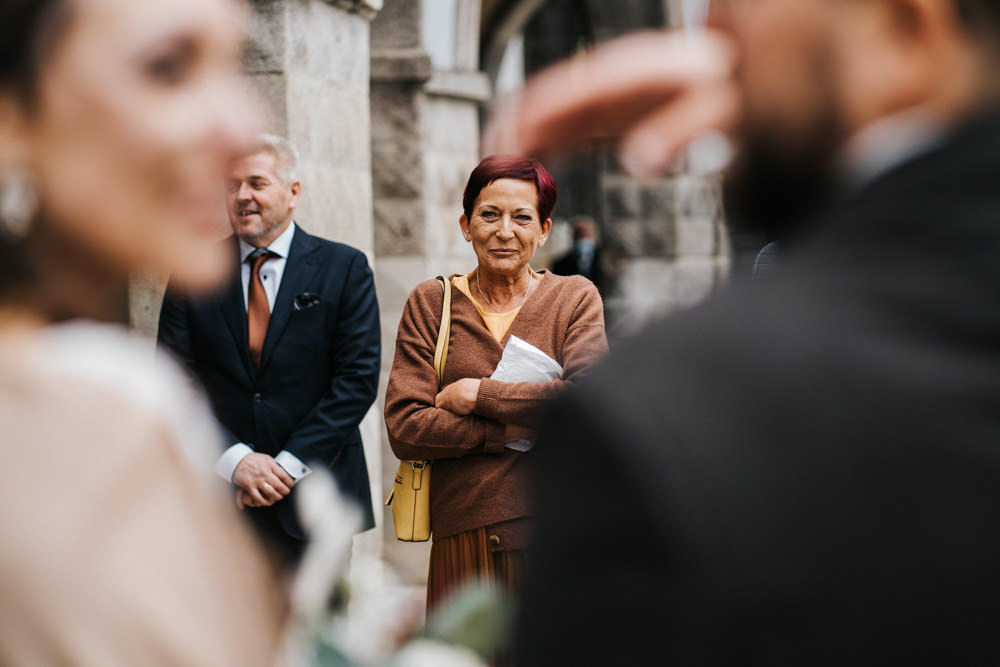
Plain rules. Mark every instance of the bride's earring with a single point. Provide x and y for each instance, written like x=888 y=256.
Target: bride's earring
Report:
x=18 y=203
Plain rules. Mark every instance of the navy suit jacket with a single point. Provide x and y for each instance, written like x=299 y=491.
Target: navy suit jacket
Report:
x=319 y=366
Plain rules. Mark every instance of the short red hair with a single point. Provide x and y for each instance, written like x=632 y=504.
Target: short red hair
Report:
x=495 y=167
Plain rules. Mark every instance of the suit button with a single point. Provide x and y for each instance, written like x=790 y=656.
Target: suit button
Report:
x=257 y=398
x=494 y=540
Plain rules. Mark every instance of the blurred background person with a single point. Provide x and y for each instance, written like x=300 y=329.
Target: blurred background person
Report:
x=477 y=429
x=296 y=367
x=584 y=258
x=116 y=121
x=802 y=471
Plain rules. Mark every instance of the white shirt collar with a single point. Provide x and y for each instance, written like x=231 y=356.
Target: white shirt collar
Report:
x=281 y=246
x=888 y=143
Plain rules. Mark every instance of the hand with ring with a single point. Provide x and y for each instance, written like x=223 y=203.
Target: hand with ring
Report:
x=261 y=481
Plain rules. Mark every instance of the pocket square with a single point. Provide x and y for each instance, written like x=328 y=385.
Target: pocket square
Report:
x=305 y=300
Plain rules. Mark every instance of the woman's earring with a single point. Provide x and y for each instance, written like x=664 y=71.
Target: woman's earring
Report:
x=18 y=203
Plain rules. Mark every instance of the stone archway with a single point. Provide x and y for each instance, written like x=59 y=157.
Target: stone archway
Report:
x=502 y=22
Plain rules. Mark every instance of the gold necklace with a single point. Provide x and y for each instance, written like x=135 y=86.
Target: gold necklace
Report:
x=531 y=283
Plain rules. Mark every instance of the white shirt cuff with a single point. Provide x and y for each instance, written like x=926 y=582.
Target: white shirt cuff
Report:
x=520 y=445
x=292 y=465
x=226 y=465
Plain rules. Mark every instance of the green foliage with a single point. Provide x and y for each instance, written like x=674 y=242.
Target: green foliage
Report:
x=478 y=617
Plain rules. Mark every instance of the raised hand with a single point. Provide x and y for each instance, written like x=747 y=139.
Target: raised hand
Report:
x=655 y=90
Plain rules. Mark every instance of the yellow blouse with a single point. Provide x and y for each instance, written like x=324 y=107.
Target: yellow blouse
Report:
x=497 y=323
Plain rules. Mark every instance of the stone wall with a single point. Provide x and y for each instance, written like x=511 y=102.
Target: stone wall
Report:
x=309 y=59
x=666 y=243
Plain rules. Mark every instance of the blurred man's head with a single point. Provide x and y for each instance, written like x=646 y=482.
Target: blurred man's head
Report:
x=815 y=72
x=584 y=227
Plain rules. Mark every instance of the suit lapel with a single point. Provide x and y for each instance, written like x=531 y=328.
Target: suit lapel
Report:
x=300 y=270
x=234 y=312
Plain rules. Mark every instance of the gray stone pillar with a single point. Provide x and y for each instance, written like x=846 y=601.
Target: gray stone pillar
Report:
x=309 y=60
x=400 y=68
x=425 y=141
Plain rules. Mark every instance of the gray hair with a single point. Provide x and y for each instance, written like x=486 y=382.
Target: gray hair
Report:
x=286 y=156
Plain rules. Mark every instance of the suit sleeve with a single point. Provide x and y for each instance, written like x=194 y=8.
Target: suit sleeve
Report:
x=357 y=342
x=417 y=429
x=526 y=403
x=174 y=330
x=174 y=336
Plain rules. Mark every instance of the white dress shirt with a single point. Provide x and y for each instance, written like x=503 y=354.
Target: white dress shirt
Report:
x=888 y=143
x=272 y=270
x=271 y=273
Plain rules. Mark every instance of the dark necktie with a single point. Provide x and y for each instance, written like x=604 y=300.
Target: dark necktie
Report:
x=258 y=311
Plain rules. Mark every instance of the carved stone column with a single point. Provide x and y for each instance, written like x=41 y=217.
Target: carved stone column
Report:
x=425 y=141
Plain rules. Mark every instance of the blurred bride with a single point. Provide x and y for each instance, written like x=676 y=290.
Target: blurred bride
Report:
x=116 y=120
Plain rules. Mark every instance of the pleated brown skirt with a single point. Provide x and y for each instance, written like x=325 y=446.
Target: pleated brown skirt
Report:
x=466 y=556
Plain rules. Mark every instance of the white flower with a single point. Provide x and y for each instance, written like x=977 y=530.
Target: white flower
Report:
x=331 y=522
x=379 y=614
x=424 y=653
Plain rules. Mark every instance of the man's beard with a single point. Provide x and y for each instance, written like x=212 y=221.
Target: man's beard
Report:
x=775 y=186
x=784 y=171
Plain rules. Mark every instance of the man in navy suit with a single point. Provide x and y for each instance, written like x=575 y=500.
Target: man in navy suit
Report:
x=288 y=351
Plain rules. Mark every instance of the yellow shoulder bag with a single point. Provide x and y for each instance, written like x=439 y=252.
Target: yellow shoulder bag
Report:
x=410 y=497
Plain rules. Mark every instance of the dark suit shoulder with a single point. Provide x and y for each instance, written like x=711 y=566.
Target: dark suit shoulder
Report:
x=565 y=264
x=735 y=322
x=720 y=370
x=336 y=249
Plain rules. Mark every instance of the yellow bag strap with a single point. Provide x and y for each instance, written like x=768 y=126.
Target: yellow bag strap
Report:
x=440 y=357
x=444 y=332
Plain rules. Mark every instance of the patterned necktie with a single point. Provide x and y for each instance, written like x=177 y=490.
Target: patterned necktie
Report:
x=258 y=310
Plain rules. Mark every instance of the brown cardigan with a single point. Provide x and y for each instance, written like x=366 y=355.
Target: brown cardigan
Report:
x=475 y=481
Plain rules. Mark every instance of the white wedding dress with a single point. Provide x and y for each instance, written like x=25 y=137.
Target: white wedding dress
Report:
x=119 y=546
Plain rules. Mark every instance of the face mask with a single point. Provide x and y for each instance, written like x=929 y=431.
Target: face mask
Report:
x=584 y=246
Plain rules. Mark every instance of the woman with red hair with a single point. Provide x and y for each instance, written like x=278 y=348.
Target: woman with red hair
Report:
x=518 y=337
